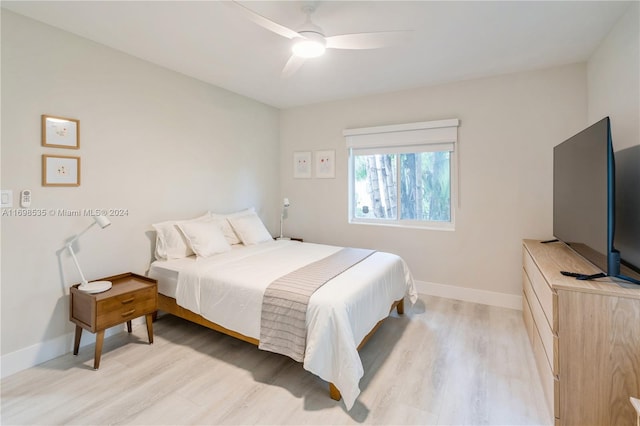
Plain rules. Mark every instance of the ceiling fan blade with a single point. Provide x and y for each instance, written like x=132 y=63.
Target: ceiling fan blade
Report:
x=264 y=22
x=293 y=64
x=368 y=40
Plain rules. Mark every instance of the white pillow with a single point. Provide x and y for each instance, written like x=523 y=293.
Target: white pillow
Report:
x=226 y=228
x=205 y=237
x=249 y=228
x=229 y=233
x=170 y=242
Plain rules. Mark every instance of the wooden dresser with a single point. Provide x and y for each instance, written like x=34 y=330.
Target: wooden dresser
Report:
x=585 y=337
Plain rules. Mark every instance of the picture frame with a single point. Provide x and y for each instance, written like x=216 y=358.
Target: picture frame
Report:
x=60 y=170
x=60 y=132
x=302 y=165
x=325 y=162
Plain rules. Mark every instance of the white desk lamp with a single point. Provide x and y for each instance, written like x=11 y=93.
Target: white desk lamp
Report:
x=95 y=286
x=286 y=205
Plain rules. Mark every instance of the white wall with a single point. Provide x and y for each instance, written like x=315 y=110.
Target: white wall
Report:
x=509 y=125
x=613 y=75
x=154 y=142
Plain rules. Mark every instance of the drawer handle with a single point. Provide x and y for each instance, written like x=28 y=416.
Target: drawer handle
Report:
x=126 y=314
x=128 y=300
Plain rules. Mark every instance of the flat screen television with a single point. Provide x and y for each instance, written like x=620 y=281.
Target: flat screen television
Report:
x=584 y=200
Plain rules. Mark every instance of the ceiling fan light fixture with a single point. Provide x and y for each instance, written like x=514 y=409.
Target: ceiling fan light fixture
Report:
x=310 y=45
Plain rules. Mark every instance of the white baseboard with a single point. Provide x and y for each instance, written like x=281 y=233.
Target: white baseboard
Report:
x=484 y=297
x=31 y=356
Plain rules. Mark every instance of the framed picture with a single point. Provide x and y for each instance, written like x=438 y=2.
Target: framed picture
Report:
x=302 y=165
x=325 y=164
x=60 y=132
x=59 y=170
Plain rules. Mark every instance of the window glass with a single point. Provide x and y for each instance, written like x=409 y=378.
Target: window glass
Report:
x=414 y=186
x=375 y=186
x=425 y=186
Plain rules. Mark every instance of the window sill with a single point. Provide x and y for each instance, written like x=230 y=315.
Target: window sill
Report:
x=406 y=225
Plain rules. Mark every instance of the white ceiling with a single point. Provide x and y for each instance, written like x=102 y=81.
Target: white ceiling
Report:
x=451 y=41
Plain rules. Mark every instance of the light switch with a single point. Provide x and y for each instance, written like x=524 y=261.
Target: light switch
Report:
x=7 y=198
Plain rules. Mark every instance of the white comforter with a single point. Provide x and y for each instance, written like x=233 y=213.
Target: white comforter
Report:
x=228 y=288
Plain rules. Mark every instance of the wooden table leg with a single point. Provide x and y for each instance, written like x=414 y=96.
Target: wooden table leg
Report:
x=76 y=343
x=99 y=342
x=149 y=318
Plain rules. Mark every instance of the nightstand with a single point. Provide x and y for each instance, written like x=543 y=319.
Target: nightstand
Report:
x=131 y=296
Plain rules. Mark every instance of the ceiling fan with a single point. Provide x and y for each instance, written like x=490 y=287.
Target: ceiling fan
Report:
x=309 y=40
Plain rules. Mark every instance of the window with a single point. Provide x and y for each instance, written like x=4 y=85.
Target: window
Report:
x=403 y=175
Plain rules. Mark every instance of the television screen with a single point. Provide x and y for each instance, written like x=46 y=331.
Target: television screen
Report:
x=596 y=208
x=627 y=235
x=581 y=194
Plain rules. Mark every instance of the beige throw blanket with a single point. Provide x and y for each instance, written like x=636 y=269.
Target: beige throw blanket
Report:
x=284 y=305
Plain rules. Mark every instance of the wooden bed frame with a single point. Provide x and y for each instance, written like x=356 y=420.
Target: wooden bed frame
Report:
x=169 y=305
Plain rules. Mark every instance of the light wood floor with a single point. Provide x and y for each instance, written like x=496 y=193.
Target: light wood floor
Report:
x=443 y=362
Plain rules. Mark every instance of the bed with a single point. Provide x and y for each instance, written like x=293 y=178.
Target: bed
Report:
x=225 y=292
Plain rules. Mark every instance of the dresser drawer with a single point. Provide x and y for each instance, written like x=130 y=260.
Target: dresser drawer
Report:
x=548 y=338
x=546 y=296
x=549 y=381
x=527 y=317
x=125 y=307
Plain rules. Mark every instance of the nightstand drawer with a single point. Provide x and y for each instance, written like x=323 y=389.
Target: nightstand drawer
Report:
x=125 y=307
